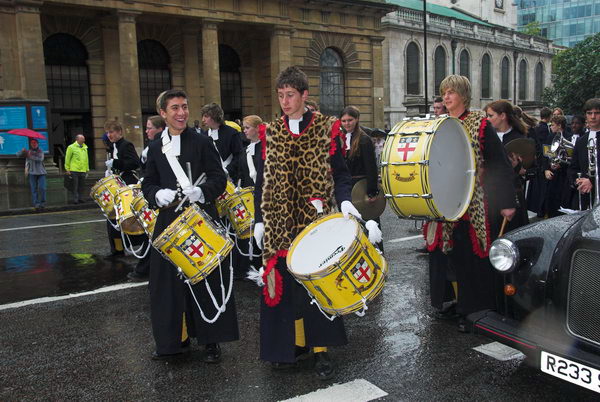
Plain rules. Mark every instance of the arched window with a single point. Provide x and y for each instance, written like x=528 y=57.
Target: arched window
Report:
x=539 y=81
x=331 y=86
x=66 y=73
x=523 y=80
x=504 y=78
x=465 y=64
x=440 y=68
x=155 y=74
x=486 y=75
x=413 y=82
x=231 y=82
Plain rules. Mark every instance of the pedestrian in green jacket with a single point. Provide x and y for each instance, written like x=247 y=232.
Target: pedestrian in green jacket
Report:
x=77 y=166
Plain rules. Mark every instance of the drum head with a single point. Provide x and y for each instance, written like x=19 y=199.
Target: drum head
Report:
x=323 y=245
x=451 y=169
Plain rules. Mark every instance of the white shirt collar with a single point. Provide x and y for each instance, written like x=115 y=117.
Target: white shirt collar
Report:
x=348 y=140
x=214 y=133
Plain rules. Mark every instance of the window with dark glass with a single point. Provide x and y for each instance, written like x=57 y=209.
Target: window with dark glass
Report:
x=465 y=64
x=523 y=80
x=440 y=68
x=155 y=74
x=67 y=81
x=504 y=79
x=486 y=73
x=539 y=82
x=413 y=84
x=231 y=82
x=331 y=85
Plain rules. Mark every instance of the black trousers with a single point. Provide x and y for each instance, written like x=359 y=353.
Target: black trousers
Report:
x=78 y=186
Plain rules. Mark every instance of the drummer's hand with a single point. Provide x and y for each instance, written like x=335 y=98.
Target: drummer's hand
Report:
x=164 y=197
x=109 y=163
x=514 y=159
x=349 y=209
x=194 y=194
x=508 y=213
x=584 y=185
x=549 y=175
x=259 y=232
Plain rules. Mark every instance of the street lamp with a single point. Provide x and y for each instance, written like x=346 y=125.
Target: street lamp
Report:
x=453 y=45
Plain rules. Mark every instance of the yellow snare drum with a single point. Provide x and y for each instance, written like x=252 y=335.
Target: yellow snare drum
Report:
x=221 y=200
x=194 y=244
x=240 y=211
x=428 y=169
x=125 y=216
x=104 y=192
x=145 y=215
x=334 y=260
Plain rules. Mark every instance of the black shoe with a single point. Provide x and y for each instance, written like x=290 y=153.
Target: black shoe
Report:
x=186 y=343
x=446 y=314
x=324 y=367
x=170 y=356
x=422 y=250
x=212 y=354
x=463 y=326
x=115 y=254
x=137 y=277
x=283 y=366
x=302 y=353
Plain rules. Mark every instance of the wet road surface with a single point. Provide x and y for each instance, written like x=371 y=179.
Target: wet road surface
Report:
x=97 y=347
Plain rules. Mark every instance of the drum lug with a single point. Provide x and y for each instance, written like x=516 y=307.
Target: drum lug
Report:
x=423 y=162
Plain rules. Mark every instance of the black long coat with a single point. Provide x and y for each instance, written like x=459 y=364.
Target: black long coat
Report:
x=169 y=295
x=521 y=218
x=128 y=161
x=229 y=143
x=580 y=164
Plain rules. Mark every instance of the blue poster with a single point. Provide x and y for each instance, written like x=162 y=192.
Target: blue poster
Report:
x=11 y=144
x=44 y=143
x=38 y=117
x=13 y=117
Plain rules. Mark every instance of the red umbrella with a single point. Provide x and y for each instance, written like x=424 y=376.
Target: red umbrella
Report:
x=25 y=132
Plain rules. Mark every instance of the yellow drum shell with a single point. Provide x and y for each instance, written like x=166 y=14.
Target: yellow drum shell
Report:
x=339 y=287
x=240 y=211
x=428 y=169
x=104 y=192
x=145 y=215
x=194 y=244
x=125 y=216
x=221 y=201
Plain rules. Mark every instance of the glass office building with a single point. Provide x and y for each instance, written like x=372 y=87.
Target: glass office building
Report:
x=566 y=22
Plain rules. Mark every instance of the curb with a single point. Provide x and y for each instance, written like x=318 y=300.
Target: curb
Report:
x=52 y=208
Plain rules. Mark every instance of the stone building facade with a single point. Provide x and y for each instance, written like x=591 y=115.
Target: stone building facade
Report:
x=97 y=59
x=486 y=53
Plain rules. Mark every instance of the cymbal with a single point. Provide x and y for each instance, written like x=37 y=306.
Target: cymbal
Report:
x=525 y=148
x=368 y=210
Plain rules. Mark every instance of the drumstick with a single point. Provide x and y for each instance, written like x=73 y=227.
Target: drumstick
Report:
x=189 y=169
x=199 y=181
x=504 y=222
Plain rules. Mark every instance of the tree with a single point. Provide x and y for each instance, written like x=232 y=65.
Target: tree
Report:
x=533 y=28
x=575 y=76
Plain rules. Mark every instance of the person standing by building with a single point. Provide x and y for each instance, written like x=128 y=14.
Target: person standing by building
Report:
x=77 y=165
x=438 y=107
x=34 y=168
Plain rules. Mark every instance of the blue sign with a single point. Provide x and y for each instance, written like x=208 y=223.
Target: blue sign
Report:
x=44 y=143
x=13 y=117
x=38 y=117
x=11 y=144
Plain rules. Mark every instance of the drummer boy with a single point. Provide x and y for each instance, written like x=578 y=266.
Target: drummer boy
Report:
x=287 y=199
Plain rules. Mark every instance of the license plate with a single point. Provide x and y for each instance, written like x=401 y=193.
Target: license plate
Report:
x=571 y=371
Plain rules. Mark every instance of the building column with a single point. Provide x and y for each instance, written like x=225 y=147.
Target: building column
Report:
x=192 y=70
x=112 y=69
x=210 y=61
x=30 y=49
x=130 y=80
x=281 y=58
x=377 y=63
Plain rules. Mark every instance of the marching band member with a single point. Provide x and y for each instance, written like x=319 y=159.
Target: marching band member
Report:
x=170 y=299
x=300 y=172
x=467 y=242
x=555 y=173
x=124 y=161
x=580 y=162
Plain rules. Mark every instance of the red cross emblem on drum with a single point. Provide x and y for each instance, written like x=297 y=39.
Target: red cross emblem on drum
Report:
x=147 y=214
x=193 y=247
x=362 y=271
x=239 y=212
x=406 y=147
x=105 y=197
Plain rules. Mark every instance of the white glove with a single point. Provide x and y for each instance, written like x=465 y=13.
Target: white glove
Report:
x=107 y=173
x=259 y=232
x=144 y=155
x=109 y=163
x=375 y=235
x=349 y=209
x=164 y=197
x=318 y=204
x=194 y=194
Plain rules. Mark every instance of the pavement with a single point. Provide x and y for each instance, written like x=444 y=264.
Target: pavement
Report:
x=73 y=328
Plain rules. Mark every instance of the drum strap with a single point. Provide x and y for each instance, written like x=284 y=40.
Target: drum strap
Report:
x=169 y=152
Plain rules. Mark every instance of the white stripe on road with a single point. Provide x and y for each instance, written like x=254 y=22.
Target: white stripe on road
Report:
x=43 y=300
x=51 y=225
x=499 y=351
x=405 y=239
x=354 y=391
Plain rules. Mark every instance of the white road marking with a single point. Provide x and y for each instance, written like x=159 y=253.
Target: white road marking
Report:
x=52 y=225
x=405 y=239
x=43 y=300
x=359 y=390
x=499 y=351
